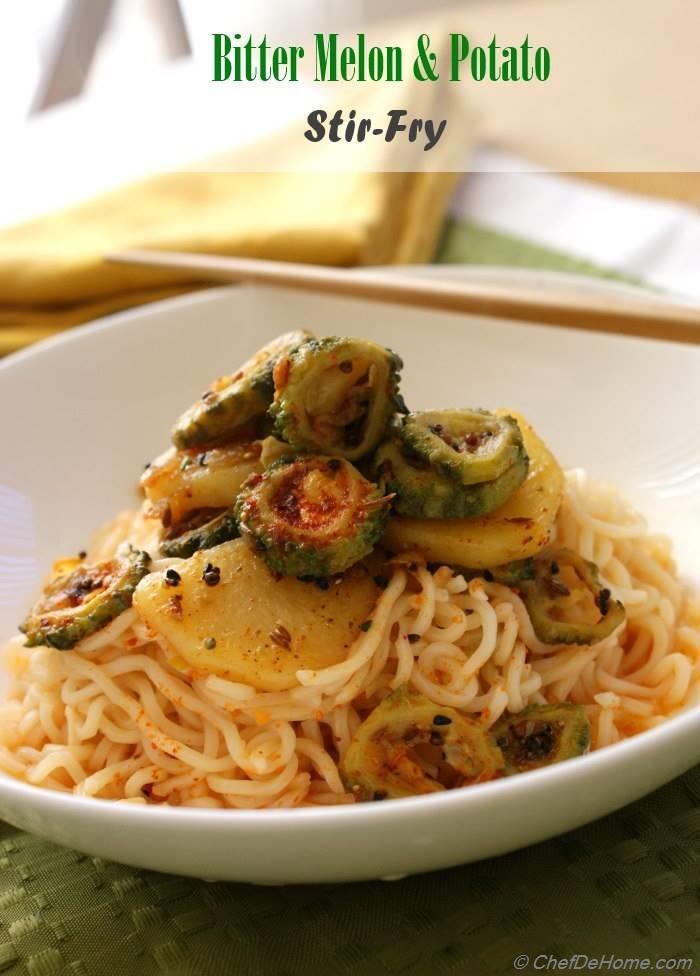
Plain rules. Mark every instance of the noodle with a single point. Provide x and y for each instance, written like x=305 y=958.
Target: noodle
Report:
x=114 y=719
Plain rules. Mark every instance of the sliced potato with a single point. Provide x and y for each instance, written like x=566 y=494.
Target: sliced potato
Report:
x=273 y=450
x=265 y=627
x=519 y=528
x=183 y=481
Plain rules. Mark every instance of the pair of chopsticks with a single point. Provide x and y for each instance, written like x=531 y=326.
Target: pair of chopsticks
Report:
x=629 y=315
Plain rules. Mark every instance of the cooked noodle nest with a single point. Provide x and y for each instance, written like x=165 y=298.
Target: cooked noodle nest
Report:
x=118 y=719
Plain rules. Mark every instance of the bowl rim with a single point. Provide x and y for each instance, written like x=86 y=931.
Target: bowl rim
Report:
x=120 y=319
x=620 y=754
x=130 y=317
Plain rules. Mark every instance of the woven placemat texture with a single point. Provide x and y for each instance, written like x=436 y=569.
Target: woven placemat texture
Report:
x=466 y=242
x=626 y=886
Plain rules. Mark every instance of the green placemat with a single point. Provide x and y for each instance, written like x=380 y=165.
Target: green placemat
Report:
x=466 y=242
x=624 y=887
x=619 y=891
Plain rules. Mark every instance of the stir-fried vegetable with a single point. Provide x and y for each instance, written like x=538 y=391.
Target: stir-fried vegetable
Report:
x=274 y=450
x=511 y=574
x=469 y=446
x=234 y=401
x=83 y=601
x=423 y=493
x=180 y=482
x=336 y=396
x=408 y=745
x=312 y=516
x=204 y=531
x=224 y=612
x=519 y=528
x=567 y=603
x=541 y=735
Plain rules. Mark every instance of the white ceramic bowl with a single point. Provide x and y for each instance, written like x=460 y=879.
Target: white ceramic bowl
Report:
x=81 y=414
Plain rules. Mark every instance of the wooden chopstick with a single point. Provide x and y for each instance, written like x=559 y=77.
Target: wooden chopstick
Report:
x=629 y=315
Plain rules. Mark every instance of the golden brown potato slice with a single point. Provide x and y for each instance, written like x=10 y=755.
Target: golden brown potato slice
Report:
x=265 y=628
x=183 y=481
x=519 y=528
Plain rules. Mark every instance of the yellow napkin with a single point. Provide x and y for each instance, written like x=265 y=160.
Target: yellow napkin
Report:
x=52 y=273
